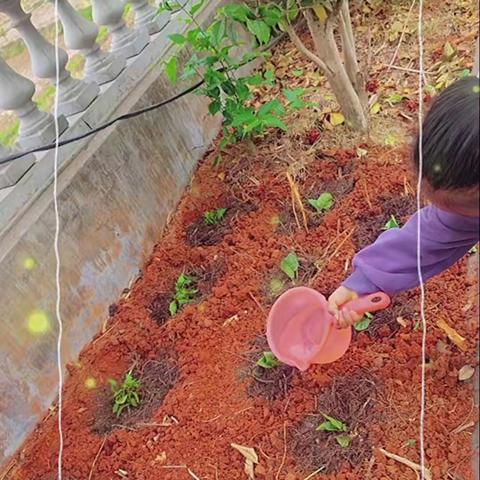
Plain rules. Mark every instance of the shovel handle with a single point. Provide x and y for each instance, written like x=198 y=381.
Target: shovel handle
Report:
x=369 y=303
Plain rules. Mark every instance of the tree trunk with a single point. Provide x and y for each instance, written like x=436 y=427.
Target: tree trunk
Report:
x=350 y=54
x=336 y=73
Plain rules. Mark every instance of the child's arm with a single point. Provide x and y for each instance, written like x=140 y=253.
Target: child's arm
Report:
x=390 y=264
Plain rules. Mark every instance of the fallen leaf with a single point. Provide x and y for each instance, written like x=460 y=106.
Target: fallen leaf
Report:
x=336 y=118
x=448 y=52
x=321 y=12
x=402 y=322
x=251 y=458
x=452 y=334
x=361 y=152
x=375 y=108
x=465 y=373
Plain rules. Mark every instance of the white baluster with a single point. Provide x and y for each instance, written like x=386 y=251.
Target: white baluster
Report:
x=12 y=171
x=81 y=34
x=126 y=42
x=16 y=92
x=74 y=95
x=146 y=16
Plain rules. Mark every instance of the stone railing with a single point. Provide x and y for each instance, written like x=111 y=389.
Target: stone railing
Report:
x=37 y=127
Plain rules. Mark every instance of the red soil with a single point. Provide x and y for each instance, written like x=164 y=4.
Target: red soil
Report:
x=210 y=399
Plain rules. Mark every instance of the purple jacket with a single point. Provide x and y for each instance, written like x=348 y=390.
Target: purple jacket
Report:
x=390 y=264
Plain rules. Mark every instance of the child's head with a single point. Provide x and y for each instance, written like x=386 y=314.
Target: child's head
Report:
x=451 y=150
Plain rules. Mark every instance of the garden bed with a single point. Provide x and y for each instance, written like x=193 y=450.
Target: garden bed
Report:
x=210 y=393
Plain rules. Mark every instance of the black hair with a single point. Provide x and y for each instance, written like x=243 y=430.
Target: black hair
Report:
x=451 y=150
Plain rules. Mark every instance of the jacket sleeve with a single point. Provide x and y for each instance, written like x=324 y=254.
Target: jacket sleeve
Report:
x=390 y=264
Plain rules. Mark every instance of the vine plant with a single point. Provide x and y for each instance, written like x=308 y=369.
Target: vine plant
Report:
x=214 y=60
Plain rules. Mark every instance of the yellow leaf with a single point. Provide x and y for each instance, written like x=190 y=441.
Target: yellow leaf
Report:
x=251 y=458
x=448 y=51
x=452 y=334
x=321 y=12
x=375 y=108
x=361 y=152
x=336 y=118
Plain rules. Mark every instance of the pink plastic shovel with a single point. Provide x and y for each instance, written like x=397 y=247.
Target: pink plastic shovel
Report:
x=301 y=331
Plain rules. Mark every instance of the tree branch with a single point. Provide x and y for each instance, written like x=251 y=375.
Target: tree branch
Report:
x=303 y=49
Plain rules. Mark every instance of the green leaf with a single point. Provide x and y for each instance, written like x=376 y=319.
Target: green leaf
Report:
x=395 y=98
x=196 y=7
x=177 y=38
x=331 y=425
x=294 y=98
x=271 y=121
x=344 y=440
x=240 y=13
x=173 y=307
x=392 y=223
x=272 y=106
x=260 y=29
x=214 y=107
x=290 y=265
x=218 y=30
x=364 y=323
x=323 y=203
x=473 y=250
x=171 y=70
x=268 y=360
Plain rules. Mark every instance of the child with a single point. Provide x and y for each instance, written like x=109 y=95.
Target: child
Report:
x=449 y=226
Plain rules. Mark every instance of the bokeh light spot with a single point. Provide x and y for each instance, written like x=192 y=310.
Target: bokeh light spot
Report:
x=29 y=264
x=38 y=322
x=90 y=383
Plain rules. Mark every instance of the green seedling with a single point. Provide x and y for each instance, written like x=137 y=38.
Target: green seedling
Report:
x=392 y=223
x=334 y=425
x=290 y=265
x=268 y=361
x=410 y=442
x=126 y=394
x=364 y=323
x=331 y=425
x=344 y=440
x=214 y=217
x=323 y=203
x=184 y=293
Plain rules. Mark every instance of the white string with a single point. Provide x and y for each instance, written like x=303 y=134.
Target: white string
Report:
x=419 y=234
x=57 y=249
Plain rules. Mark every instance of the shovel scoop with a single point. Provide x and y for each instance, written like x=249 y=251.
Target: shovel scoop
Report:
x=301 y=330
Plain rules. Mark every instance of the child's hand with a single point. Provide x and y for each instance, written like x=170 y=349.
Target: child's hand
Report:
x=336 y=301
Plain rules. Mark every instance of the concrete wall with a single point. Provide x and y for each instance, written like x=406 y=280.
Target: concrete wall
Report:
x=114 y=197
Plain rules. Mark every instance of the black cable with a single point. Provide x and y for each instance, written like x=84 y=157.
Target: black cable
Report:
x=127 y=116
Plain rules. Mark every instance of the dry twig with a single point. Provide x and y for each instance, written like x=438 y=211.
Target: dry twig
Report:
x=408 y=463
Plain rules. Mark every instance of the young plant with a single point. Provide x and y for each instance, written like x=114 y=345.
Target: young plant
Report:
x=323 y=203
x=214 y=61
x=268 y=361
x=184 y=293
x=333 y=425
x=364 y=323
x=392 y=223
x=126 y=394
x=290 y=265
x=214 y=217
